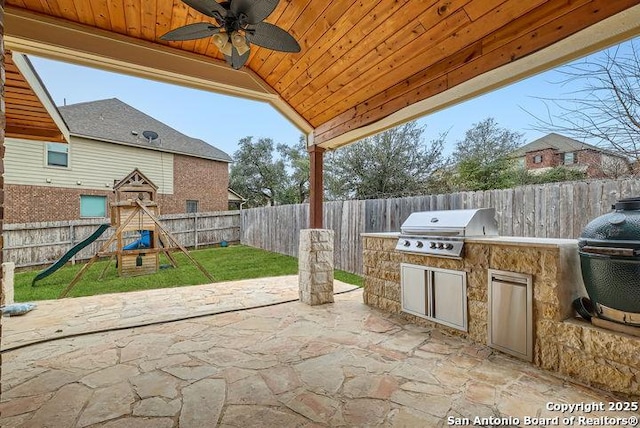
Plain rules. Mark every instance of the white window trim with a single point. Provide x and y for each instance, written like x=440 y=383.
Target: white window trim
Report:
x=46 y=157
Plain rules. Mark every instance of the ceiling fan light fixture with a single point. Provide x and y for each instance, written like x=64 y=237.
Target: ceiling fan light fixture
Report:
x=238 y=25
x=221 y=40
x=239 y=41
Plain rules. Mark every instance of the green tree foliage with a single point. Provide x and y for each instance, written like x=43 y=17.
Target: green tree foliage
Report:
x=297 y=158
x=256 y=173
x=482 y=159
x=396 y=162
x=269 y=174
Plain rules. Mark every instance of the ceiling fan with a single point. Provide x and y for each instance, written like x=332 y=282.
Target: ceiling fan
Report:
x=238 y=24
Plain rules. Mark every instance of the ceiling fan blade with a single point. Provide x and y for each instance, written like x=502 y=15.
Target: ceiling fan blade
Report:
x=256 y=10
x=191 y=32
x=272 y=37
x=207 y=7
x=237 y=60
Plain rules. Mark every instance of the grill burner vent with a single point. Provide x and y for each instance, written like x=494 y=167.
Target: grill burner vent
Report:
x=442 y=233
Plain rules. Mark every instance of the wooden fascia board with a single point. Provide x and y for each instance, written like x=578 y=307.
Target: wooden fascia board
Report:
x=54 y=38
x=601 y=35
x=36 y=85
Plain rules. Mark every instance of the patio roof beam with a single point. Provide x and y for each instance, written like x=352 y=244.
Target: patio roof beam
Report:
x=316 y=186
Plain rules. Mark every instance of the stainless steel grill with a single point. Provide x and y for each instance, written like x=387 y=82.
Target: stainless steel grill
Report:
x=442 y=233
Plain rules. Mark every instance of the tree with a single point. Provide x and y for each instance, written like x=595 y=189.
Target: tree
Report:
x=605 y=107
x=396 y=162
x=297 y=158
x=256 y=174
x=483 y=158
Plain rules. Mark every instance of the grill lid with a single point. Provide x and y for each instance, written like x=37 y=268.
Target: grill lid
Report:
x=476 y=222
x=619 y=228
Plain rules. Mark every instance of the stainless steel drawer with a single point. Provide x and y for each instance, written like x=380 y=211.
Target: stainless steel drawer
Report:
x=511 y=313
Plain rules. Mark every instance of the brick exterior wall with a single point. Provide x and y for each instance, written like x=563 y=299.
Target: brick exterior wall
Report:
x=194 y=179
x=200 y=180
x=552 y=158
x=593 y=160
x=27 y=204
x=549 y=159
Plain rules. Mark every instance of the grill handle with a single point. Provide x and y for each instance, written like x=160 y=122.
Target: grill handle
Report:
x=610 y=251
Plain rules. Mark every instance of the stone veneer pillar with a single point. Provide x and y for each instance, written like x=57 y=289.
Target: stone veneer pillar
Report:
x=315 y=266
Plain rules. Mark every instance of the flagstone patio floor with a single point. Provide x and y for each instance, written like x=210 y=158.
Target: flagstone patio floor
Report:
x=285 y=365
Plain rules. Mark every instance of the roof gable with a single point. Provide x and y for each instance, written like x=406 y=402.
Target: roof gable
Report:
x=135 y=179
x=114 y=121
x=560 y=143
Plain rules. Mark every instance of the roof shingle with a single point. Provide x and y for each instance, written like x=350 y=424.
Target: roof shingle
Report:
x=559 y=142
x=114 y=121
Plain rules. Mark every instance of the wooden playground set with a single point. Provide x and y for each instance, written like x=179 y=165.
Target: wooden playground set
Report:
x=134 y=210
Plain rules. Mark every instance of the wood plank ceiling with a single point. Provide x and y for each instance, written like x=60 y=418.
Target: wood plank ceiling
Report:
x=362 y=60
x=26 y=116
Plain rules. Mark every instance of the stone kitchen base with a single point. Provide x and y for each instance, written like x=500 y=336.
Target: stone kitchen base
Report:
x=562 y=343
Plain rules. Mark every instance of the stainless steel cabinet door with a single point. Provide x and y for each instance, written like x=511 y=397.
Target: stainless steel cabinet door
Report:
x=449 y=298
x=414 y=290
x=509 y=317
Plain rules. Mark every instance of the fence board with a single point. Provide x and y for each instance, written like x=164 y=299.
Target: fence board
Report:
x=35 y=244
x=550 y=210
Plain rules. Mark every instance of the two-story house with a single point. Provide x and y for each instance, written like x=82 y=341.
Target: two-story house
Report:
x=99 y=143
x=555 y=150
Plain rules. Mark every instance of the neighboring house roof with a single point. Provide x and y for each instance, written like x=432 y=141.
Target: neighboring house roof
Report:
x=234 y=196
x=559 y=142
x=114 y=121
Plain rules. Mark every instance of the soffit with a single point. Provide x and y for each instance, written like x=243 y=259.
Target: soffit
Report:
x=26 y=115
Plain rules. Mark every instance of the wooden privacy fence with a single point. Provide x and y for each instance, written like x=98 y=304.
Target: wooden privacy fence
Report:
x=555 y=210
x=34 y=244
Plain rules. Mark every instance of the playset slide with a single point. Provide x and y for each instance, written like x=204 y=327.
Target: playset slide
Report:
x=143 y=242
x=69 y=254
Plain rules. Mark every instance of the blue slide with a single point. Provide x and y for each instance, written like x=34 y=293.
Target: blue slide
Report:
x=143 y=242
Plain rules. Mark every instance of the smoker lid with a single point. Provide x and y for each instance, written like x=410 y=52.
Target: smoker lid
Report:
x=464 y=222
x=619 y=228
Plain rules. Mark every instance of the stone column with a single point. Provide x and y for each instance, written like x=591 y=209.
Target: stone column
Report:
x=315 y=266
x=8 y=270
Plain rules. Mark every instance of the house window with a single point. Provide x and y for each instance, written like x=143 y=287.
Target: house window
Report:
x=537 y=159
x=93 y=206
x=569 y=158
x=57 y=154
x=192 y=206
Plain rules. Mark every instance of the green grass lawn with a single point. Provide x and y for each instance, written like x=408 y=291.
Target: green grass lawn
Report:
x=225 y=264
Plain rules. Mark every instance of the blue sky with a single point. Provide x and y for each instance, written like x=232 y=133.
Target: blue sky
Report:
x=223 y=120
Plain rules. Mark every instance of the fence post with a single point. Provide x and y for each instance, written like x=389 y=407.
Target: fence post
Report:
x=195 y=230
x=72 y=238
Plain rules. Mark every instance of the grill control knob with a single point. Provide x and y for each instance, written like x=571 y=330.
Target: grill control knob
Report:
x=419 y=244
x=407 y=243
x=440 y=245
x=432 y=245
x=448 y=246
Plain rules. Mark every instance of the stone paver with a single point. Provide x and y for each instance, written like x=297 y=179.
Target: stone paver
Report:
x=340 y=364
x=57 y=318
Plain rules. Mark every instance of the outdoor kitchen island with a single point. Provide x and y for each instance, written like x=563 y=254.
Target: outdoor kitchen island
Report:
x=562 y=343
